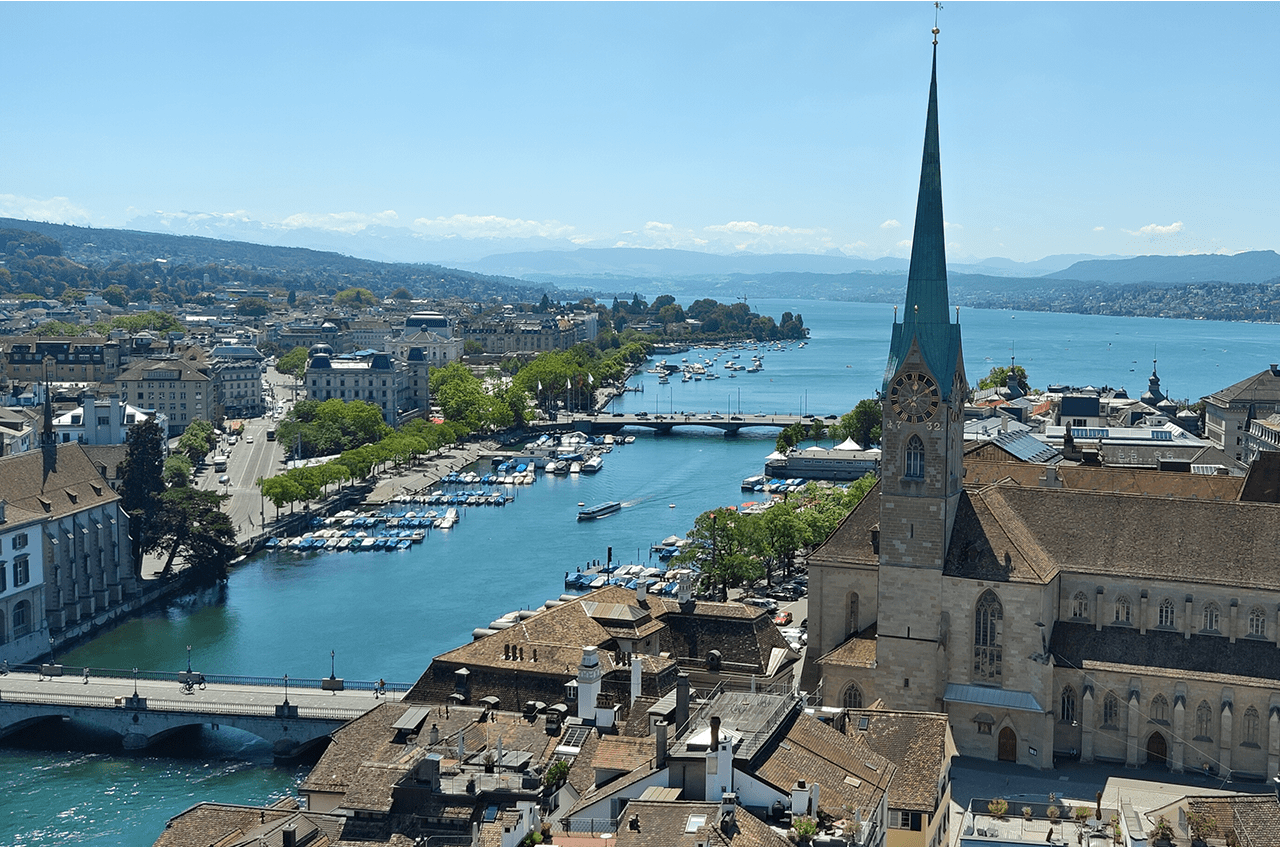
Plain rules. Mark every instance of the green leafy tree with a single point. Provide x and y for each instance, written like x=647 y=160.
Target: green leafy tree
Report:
x=355 y=298
x=252 y=307
x=116 y=295
x=721 y=549
x=401 y=293
x=142 y=483
x=999 y=378
x=862 y=424
x=177 y=471
x=293 y=363
x=197 y=440
x=471 y=347
x=195 y=531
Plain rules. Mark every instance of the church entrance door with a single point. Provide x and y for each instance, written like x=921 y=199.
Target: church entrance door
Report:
x=1157 y=749
x=1008 y=745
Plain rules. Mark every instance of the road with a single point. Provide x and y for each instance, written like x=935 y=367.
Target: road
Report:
x=253 y=457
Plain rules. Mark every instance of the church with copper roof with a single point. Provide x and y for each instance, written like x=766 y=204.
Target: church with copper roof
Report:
x=1051 y=616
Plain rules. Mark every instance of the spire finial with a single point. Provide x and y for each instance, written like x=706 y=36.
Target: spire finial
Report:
x=937 y=7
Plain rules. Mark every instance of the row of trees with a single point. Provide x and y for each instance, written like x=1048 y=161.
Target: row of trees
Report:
x=731 y=549
x=404 y=446
x=862 y=424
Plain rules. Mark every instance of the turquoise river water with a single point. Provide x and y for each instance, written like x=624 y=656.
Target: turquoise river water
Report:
x=387 y=614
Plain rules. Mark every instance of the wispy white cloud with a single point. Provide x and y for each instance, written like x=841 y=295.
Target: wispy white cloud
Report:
x=494 y=226
x=1157 y=229
x=753 y=228
x=1099 y=229
x=51 y=209
x=904 y=244
x=890 y=224
x=348 y=222
x=948 y=225
x=656 y=225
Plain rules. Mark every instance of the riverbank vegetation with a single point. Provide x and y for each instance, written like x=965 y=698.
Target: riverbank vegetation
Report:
x=730 y=549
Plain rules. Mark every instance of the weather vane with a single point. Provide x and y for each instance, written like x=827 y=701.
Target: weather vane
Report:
x=937 y=7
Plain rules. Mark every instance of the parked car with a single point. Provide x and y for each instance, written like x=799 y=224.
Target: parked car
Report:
x=761 y=602
x=782 y=619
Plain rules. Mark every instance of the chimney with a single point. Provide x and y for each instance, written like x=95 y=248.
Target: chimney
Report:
x=682 y=701
x=715 y=732
x=813 y=798
x=637 y=668
x=462 y=747
x=1275 y=369
x=588 y=682
x=728 y=805
x=660 y=737
x=642 y=591
x=800 y=798
x=684 y=589
x=434 y=737
x=288 y=836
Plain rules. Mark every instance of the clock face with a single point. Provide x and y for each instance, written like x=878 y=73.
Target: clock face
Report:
x=914 y=397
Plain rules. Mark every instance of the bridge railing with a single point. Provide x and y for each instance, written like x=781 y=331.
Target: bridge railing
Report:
x=210 y=678
x=189 y=706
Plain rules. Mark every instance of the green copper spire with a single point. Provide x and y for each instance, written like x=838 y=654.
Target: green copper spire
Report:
x=925 y=318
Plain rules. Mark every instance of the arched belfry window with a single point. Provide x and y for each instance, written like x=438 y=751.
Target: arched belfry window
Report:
x=988 y=629
x=915 y=458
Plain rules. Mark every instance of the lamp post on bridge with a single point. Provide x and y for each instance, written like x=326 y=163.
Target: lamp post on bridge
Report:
x=286 y=689
x=188 y=658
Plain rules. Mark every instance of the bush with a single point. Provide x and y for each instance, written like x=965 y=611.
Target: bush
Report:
x=1053 y=812
x=998 y=807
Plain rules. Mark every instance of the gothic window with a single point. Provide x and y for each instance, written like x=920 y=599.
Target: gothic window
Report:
x=1124 y=610
x=852 y=697
x=1249 y=727
x=1204 y=720
x=988 y=626
x=1258 y=622
x=1080 y=606
x=1159 y=709
x=1211 y=617
x=915 y=458
x=1111 y=711
x=1166 y=613
x=1067 y=712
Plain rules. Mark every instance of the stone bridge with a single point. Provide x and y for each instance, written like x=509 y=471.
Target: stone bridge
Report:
x=664 y=422
x=293 y=716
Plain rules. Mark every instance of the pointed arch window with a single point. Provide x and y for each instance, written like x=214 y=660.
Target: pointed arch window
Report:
x=1258 y=622
x=915 y=458
x=1080 y=606
x=852 y=698
x=988 y=627
x=1159 y=709
x=1212 y=617
x=1124 y=610
x=1166 y=613
x=1249 y=727
x=1067 y=702
x=1111 y=711
x=1204 y=720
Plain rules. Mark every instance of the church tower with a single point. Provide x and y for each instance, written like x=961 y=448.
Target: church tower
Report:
x=923 y=397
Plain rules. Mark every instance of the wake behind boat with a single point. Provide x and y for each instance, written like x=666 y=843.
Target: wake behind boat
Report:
x=593 y=512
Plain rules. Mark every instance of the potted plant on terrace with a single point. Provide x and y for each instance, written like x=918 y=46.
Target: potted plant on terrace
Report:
x=1026 y=813
x=1201 y=824
x=1162 y=832
x=998 y=807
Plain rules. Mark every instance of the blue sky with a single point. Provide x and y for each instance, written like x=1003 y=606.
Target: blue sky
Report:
x=1102 y=128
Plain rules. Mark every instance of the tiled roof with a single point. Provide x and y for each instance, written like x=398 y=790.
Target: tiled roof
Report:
x=1262 y=387
x=45 y=483
x=1006 y=532
x=916 y=742
x=858 y=651
x=849 y=771
x=850 y=544
x=978 y=473
x=623 y=754
x=667 y=824
x=1074 y=644
x=228 y=825
x=1254 y=819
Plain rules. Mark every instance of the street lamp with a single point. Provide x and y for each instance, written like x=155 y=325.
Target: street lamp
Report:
x=53 y=660
x=135 y=683
x=286 y=689
x=188 y=658
x=333 y=666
